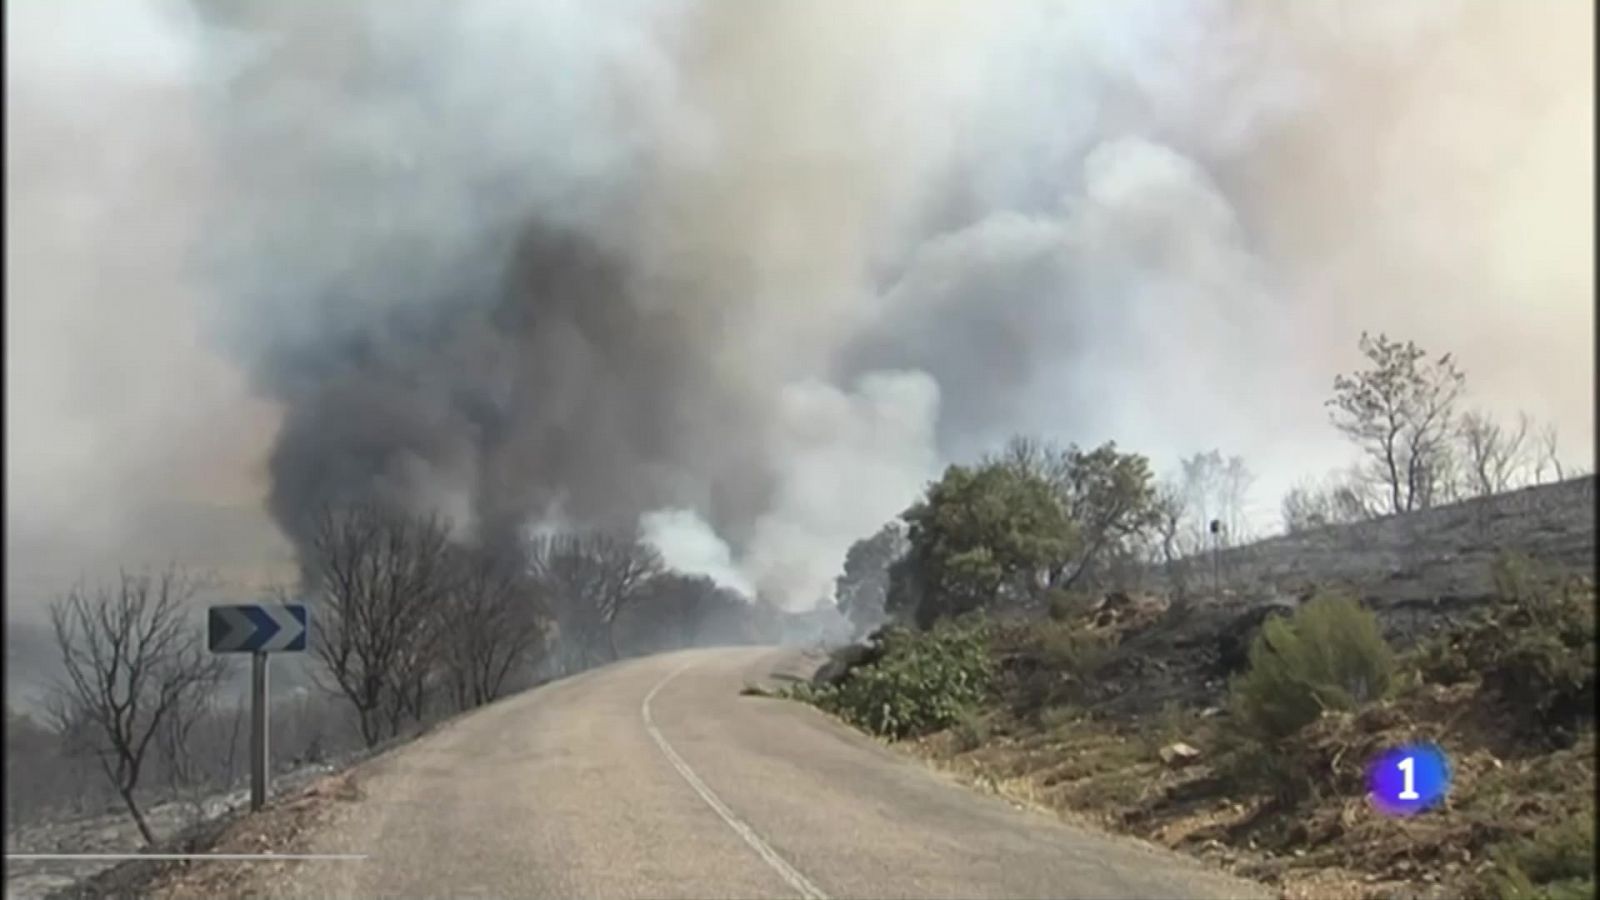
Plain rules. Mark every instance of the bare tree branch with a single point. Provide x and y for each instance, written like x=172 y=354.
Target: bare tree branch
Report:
x=589 y=579
x=1401 y=412
x=495 y=622
x=380 y=577
x=135 y=668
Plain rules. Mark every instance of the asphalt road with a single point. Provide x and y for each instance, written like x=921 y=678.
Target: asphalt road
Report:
x=655 y=778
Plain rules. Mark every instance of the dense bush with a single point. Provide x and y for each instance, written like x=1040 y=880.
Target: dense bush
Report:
x=1328 y=655
x=1535 y=651
x=919 y=682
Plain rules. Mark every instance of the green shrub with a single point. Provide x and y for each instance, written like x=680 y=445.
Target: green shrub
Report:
x=1061 y=647
x=1328 y=655
x=972 y=730
x=1555 y=863
x=1276 y=769
x=1535 y=649
x=920 y=682
x=1538 y=650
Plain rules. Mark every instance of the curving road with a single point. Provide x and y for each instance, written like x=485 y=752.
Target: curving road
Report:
x=655 y=778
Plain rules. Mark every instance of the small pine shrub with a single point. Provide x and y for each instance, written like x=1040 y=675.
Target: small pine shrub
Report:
x=1329 y=655
x=920 y=681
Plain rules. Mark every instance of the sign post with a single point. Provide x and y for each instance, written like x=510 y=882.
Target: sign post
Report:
x=258 y=731
x=257 y=630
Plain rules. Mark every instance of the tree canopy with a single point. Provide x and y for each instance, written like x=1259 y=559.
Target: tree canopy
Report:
x=980 y=535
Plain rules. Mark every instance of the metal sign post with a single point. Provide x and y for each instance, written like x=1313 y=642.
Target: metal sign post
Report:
x=258 y=630
x=258 y=731
x=1216 y=557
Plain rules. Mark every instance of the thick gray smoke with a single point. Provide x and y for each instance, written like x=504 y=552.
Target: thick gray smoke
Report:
x=512 y=266
x=745 y=274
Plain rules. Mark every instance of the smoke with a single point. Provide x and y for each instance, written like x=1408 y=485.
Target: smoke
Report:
x=745 y=275
x=686 y=543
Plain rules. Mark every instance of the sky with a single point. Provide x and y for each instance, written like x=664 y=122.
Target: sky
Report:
x=746 y=276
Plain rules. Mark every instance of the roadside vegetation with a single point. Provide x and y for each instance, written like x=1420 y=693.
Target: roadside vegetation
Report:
x=1267 y=774
x=1055 y=630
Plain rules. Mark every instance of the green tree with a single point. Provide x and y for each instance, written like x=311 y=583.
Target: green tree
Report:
x=981 y=535
x=862 y=590
x=1111 y=498
x=1401 y=411
x=1108 y=496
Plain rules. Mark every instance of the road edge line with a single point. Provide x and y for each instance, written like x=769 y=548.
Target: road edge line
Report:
x=787 y=872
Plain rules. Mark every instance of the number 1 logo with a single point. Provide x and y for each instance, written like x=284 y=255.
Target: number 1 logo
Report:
x=1407 y=780
x=1408 y=767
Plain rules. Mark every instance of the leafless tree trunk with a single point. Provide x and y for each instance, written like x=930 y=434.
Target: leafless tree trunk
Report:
x=494 y=623
x=589 y=579
x=1213 y=487
x=134 y=665
x=1492 y=453
x=1400 y=412
x=234 y=726
x=381 y=577
x=175 y=746
x=1171 y=510
x=1548 y=457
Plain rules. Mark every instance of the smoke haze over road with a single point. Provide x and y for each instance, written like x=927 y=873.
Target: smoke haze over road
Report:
x=748 y=273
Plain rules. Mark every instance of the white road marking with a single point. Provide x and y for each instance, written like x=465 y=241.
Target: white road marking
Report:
x=785 y=871
x=269 y=857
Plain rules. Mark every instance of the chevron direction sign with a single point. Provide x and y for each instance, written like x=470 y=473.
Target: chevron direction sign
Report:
x=257 y=629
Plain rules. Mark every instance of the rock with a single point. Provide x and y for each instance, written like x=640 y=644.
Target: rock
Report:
x=1179 y=754
x=842 y=661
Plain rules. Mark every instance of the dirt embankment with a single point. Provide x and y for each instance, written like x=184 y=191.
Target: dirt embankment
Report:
x=1173 y=776
x=1119 y=712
